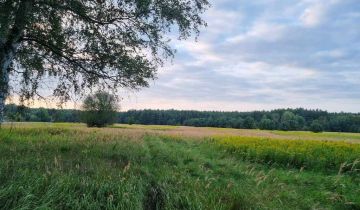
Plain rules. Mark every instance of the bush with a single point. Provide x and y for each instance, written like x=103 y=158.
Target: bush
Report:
x=99 y=110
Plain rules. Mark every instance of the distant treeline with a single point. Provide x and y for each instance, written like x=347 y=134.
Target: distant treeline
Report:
x=17 y=113
x=280 y=119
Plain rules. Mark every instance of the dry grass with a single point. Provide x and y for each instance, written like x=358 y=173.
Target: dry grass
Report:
x=138 y=131
x=201 y=132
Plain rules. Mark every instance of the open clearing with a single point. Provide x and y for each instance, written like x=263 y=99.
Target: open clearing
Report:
x=69 y=166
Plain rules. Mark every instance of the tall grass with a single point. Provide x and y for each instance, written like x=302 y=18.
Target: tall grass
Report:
x=73 y=167
x=308 y=154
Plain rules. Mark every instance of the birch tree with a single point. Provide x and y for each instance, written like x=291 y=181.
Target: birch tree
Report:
x=84 y=44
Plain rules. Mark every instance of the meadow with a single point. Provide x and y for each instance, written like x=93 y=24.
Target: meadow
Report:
x=69 y=166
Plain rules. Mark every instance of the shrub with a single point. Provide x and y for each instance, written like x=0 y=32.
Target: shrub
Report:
x=100 y=109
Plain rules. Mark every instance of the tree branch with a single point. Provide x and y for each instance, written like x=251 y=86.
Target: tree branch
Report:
x=20 y=23
x=61 y=54
x=87 y=17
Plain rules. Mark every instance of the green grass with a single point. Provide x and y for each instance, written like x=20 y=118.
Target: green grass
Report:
x=72 y=167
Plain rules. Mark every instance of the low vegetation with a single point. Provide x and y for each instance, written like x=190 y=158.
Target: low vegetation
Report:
x=69 y=166
x=303 y=154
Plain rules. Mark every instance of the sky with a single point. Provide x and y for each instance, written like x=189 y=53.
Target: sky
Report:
x=263 y=55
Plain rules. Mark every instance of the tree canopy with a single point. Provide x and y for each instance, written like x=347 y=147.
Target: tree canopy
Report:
x=86 y=44
x=100 y=109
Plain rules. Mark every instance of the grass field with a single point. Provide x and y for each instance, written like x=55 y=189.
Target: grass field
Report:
x=69 y=166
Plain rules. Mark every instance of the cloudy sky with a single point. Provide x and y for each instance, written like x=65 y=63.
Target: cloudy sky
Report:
x=264 y=54
x=261 y=55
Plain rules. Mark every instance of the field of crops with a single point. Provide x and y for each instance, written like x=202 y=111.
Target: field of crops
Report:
x=69 y=166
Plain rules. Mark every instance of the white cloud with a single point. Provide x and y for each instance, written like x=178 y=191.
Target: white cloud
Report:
x=335 y=53
x=260 y=31
x=202 y=52
x=267 y=74
x=313 y=16
x=316 y=13
x=222 y=21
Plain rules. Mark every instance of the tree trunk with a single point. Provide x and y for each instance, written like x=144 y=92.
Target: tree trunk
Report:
x=2 y=107
x=6 y=57
x=8 y=48
x=5 y=61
